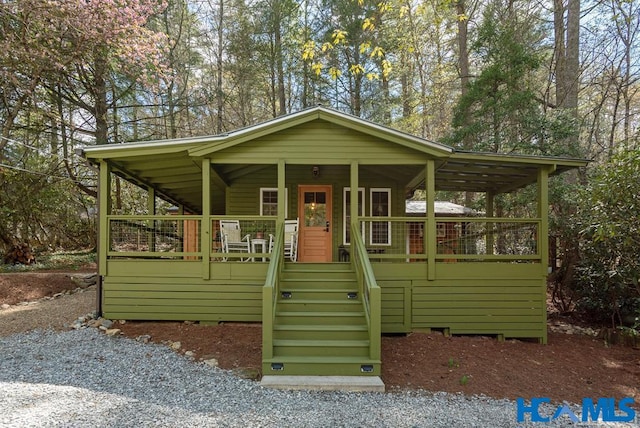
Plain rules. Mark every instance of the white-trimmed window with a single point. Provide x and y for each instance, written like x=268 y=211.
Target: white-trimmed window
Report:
x=346 y=214
x=269 y=200
x=380 y=206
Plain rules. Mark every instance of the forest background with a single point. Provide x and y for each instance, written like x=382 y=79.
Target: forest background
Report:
x=546 y=77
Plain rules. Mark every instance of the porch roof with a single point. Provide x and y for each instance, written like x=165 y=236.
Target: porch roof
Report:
x=173 y=167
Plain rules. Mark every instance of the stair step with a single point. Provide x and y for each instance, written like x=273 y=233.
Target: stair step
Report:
x=300 y=305
x=323 y=343
x=318 y=283
x=321 y=366
x=322 y=360
x=319 y=272
x=318 y=267
x=320 y=293
x=320 y=318
x=321 y=332
x=320 y=327
x=320 y=348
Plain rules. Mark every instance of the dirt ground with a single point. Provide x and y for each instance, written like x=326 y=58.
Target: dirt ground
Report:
x=570 y=367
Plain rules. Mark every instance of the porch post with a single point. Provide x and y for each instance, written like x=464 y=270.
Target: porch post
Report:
x=104 y=209
x=205 y=224
x=543 y=215
x=282 y=193
x=431 y=234
x=490 y=238
x=355 y=198
x=543 y=240
x=151 y=210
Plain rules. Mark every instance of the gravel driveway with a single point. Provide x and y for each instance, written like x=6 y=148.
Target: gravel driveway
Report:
x=83 y=378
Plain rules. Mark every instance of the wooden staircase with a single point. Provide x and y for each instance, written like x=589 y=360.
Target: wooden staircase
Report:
x=320 y=325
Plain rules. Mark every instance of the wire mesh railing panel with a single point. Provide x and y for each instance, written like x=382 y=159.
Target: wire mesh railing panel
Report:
x=393 y=238
x=407 y=239
x=242 y=238
x=501 y=238
x=152 y=235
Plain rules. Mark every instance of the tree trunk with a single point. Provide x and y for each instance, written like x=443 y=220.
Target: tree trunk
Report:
x=62 y=131
x=387 y=101
x=463 y=58
x=356 y=95
x=100 y=100
x=282 y=102
x=13 y=111
x=406 y=89
x=567 y=50
x=463 y=65
x=219 y=93
x=171 y=112
x=572 y=83
x=305 y=66
x=272 y=76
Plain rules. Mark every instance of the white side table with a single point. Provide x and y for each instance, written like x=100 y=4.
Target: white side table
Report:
x=262 y=243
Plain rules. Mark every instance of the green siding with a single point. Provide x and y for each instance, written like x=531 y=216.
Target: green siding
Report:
x=320 y=142
x=466 y=298
x=175 y=290
x=396 y=306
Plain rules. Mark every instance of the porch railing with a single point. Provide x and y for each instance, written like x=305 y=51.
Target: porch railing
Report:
x=260 y=231
x=457 y=238
x=370 y=292
x=179 y=237
x=400 y=239
x=171 y=236
x=488 y=239
x=270 y=293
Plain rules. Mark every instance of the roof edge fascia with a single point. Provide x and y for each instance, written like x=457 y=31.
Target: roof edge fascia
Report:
x=522 y=159
x=144 y=147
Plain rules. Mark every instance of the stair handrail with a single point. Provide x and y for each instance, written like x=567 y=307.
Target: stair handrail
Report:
x=368 y=289
x=270 y=292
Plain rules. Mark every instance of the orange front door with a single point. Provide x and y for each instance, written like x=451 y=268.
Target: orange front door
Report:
x=314 y=234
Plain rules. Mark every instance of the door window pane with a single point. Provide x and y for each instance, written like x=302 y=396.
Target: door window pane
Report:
x=315 y=209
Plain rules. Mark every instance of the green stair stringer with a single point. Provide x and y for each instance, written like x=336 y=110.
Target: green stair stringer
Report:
x=320 y=325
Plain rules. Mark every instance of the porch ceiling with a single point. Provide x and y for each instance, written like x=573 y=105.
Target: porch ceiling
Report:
x=175 y=177
x=496 y=173
x=178 y=178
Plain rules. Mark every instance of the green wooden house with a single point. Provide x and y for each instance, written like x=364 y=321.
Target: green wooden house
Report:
x=363 y=266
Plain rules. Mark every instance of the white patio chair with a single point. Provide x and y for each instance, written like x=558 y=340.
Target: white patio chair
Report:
x=232 y=239
x=290 y=240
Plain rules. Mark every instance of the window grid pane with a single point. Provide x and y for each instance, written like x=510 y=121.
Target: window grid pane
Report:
x=269 y=202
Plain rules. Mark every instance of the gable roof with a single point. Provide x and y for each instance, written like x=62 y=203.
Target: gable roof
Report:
x=332 y=116
x=173 y=167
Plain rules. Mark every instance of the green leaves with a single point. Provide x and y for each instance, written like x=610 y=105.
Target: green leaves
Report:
x=610 y=239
